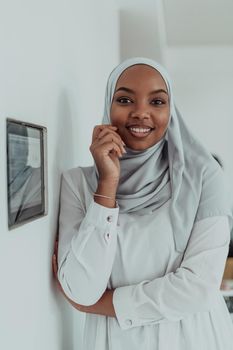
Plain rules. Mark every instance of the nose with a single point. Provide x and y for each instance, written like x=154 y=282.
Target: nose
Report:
x=140 y=113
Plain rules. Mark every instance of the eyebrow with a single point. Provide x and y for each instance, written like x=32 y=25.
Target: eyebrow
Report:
x=133 y=92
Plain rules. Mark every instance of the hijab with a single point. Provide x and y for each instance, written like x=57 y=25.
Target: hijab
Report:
x=176 y=169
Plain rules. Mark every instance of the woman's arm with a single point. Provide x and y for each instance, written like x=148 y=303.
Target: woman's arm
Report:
x=88 y=237
x=87 y=244
x=193 y=287
x=104 y=305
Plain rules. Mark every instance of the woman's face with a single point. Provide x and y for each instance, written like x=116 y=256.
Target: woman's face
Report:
x=140 y=107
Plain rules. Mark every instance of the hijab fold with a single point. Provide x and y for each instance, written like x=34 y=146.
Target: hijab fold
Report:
x=176 y=169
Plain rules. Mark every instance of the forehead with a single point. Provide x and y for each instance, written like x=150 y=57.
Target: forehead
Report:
x=141 y=74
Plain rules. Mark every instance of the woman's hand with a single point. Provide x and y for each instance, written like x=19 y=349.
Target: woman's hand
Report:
x=106 y=148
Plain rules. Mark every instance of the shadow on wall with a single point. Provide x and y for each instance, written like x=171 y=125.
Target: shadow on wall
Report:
x=64 y=156
x=63 y=147
x=63 y=159
x=63 y=152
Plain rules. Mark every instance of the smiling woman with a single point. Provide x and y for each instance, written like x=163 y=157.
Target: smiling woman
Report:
x=144 y=232
x=141 y=113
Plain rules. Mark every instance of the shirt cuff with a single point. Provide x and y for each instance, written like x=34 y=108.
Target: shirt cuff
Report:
x=124 y=308
x=98 y=215
x=133 y=309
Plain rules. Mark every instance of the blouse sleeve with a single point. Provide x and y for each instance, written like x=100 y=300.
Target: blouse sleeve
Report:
x=87 y=245
x=193 y=287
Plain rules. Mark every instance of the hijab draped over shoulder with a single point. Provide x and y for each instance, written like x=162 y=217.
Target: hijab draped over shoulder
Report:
x=176 y=169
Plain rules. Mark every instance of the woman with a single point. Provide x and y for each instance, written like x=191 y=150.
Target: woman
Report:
x=144 y=234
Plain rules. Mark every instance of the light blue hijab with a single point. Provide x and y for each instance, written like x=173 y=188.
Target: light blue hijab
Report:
x=178 y=168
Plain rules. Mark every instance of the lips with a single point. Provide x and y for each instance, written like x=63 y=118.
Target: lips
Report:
x=139 y=130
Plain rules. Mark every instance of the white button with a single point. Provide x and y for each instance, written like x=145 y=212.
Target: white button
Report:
x=109 y=218
x=128 y=322
x=107 y=236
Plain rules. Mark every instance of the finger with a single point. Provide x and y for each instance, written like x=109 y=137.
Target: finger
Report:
x=107 y=148
x=110 y=137
x=56 y=247
x=106 y=131
x=54 y=263
x=99 y=128
x=115 y=150
x=109 y=131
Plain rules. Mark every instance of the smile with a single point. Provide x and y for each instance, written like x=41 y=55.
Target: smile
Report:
x=139 y=132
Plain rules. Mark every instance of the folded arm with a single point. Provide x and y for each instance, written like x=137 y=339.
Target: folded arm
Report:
x=192 y=288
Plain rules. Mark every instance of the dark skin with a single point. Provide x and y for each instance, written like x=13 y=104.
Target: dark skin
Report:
x=140 y=100
x=139 y=115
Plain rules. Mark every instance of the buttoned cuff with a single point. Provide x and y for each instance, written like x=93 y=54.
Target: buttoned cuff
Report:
x=98 y=215
x=133 y=308
x=124 y=307
x=98 y=219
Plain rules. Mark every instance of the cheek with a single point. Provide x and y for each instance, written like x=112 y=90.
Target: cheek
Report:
x=166 y=121
x=117 y=115
x=162 y=120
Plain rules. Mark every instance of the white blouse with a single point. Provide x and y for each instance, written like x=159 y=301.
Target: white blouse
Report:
x=163 y=299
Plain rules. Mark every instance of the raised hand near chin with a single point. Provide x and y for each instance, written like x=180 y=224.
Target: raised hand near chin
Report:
x=106 y=148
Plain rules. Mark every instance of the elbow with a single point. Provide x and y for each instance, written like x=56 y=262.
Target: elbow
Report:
x=83 y=291
x=82 y=282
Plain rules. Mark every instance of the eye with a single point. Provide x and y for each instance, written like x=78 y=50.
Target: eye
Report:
x=123 y=100
x=157 y=101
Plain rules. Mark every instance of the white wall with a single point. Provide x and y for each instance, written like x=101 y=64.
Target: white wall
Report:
x=55 y=58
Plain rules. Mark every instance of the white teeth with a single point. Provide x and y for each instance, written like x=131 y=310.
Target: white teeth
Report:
x=140 y=130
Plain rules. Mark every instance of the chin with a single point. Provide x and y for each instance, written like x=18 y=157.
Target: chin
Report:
x=142 y=146
x=138 y=147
